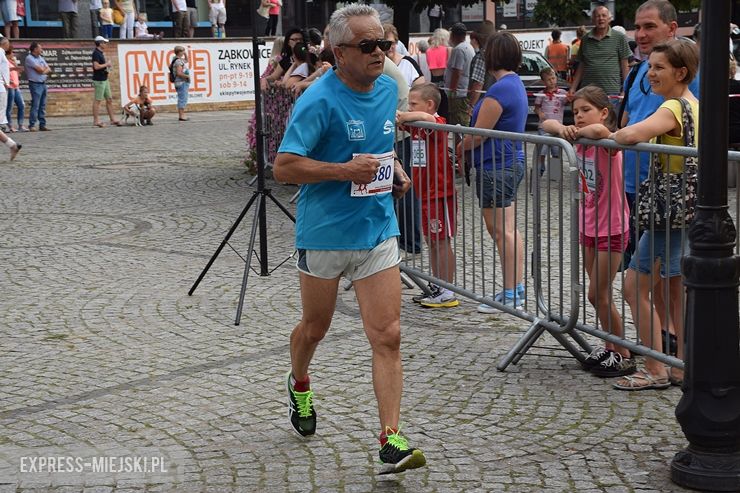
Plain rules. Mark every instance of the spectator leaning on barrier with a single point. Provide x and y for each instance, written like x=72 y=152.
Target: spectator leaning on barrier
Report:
x=339 y=145
x=499 y=163
x=292 y=37
x=602 y=219
x=101 y=67
x=68 y=13
x=37 y=71
x=434 y=183
x=602 y=57
x=457 y=75
x=480 y=80
x=655 y=23
x=673 y=66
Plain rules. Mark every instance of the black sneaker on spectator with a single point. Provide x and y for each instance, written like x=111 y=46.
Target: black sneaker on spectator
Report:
x=596 y=357
x=615 y=365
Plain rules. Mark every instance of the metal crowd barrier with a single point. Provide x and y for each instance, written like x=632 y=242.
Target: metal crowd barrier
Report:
x=546 y=213
x=551 y=287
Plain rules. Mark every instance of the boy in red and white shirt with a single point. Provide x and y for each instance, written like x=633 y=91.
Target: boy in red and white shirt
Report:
x=434 y=183
x=549 y=105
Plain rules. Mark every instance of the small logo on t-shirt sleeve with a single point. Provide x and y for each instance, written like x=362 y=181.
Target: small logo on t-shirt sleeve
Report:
x=387 y=127
x=356 y=130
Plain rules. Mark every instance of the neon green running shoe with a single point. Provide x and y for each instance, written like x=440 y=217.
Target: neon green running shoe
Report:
x=396 y=456
x=300 y=410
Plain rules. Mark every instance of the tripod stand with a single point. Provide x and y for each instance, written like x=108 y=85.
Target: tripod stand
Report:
x=259 y=199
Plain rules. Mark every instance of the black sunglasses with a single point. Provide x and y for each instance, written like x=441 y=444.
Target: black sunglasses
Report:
x=369 y=45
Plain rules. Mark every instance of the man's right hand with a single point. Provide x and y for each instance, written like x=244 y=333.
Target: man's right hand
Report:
x=362 y=169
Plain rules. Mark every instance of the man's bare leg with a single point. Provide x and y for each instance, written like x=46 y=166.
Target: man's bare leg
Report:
x=318 y=299
x=379 y=297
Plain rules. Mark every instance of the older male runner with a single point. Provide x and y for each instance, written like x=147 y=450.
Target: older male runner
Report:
x=339 y=145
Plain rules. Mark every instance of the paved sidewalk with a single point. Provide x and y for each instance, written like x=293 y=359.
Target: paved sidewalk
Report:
x=103 y=231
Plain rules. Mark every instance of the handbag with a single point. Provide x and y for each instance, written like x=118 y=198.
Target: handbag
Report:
x=118 y=17
x=20 y=8
x=668 y=200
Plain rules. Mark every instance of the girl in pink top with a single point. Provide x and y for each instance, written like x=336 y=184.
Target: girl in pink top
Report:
x=274 y=13
x=603 y=220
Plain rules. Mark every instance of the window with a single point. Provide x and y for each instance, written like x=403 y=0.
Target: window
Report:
x=158 y=12
x=41 y=13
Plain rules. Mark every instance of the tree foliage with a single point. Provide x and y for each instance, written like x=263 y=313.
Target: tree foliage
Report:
x=421 y=5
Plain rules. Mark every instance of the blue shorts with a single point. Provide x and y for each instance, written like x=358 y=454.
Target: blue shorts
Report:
x=503 y=183
x=646 y=254
x=182 y=94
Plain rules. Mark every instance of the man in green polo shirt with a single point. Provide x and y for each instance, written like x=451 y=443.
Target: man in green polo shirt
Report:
x=603 y=56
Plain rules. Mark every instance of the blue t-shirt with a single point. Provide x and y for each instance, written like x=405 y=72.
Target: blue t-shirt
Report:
x=509 y=92
x=330 y=122
x=642 y=103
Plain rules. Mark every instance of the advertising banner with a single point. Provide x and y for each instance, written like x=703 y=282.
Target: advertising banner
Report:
x=70 y=64
x=219 y=72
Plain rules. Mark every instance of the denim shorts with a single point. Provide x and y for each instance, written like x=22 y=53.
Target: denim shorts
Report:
x=182 y=94
x=646 y=254
x=501 y=182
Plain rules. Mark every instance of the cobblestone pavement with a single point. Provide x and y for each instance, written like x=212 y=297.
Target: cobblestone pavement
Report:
x=105 y=354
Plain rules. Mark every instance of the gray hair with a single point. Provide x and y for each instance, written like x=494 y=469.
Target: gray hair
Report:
x=422 y=45
x=440 y=37
x=339 y=30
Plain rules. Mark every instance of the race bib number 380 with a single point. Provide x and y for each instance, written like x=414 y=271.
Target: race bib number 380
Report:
x=382 y=182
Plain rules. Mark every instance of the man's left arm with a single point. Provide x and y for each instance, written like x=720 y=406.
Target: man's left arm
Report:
x=625 y=69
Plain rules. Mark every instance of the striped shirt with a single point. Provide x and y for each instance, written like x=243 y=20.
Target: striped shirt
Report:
x=601 y=60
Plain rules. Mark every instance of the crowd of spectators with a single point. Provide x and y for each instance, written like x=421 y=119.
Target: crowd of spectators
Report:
x=476 y=84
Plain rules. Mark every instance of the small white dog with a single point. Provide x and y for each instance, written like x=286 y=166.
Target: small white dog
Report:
x=135 y=113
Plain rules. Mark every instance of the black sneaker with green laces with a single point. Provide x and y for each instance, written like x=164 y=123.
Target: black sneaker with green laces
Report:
x=396 y=456
x=300 y=410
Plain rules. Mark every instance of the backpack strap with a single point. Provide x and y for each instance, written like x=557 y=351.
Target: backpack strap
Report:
x=627 y=86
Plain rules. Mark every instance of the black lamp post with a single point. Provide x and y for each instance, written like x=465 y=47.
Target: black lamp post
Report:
x=709 y=411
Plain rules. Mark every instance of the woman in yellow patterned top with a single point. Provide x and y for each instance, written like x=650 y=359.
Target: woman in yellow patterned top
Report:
x=673 y=65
